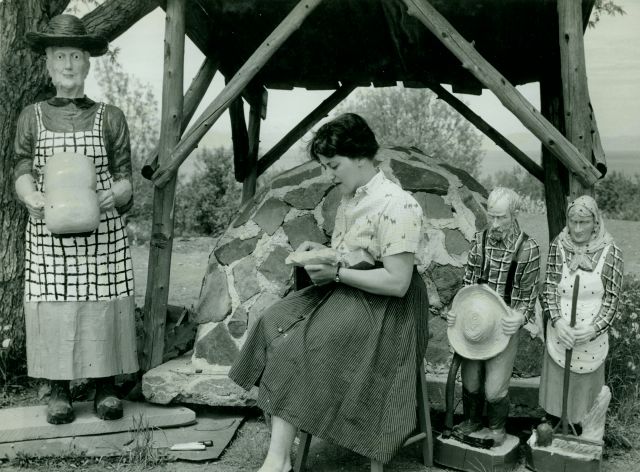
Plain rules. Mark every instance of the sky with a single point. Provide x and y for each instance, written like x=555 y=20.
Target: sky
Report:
x=613 y=70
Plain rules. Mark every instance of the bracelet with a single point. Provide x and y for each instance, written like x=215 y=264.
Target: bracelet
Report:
x=337 y=277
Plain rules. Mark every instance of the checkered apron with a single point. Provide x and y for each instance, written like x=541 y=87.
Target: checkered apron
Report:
x=85 y=268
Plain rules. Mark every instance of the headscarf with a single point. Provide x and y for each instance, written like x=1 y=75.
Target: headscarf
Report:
x=585 y=206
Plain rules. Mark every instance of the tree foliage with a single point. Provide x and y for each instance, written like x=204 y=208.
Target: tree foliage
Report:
x=140 y=107
x=415 y=117
x=604 y=7
x=210 y=197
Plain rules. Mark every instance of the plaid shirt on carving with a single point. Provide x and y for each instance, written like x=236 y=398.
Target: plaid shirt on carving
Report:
x=612 y=271
x=498 y=256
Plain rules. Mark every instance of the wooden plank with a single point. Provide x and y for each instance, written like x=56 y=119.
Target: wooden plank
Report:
x=575 y=92
x=218 y=427
x=513 y=100
x=30 y=422
x=251 y=173
x=507 y=146
x=157 y=292
x=247 y=72
x=114 y=17
x=301 y=128
x=191 y=100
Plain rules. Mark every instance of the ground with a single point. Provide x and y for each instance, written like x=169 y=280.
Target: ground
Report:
x=248 y=448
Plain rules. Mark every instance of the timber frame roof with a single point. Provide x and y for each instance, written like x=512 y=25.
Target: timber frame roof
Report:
x=377 y=42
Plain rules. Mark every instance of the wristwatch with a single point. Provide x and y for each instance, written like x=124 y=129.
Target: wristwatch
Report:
x=337 y=277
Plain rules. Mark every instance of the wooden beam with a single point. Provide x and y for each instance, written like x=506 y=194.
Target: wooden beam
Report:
x=233 y=89
x=191 y=100
x=200 y=26
x=301 y=128
x=251 y=173
x=506 y=93
x=239 y=137
x=114 y=17
x=507 y=146
x=157 y=292
x=575 y=92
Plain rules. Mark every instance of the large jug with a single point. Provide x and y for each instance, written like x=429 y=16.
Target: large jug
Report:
x=71 y=202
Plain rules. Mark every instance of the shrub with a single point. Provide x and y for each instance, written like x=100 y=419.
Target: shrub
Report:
x=618 y=196
x=623 y=361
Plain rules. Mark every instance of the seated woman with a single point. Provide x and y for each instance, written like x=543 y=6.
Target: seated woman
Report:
x=583 y=248
x=338 y=359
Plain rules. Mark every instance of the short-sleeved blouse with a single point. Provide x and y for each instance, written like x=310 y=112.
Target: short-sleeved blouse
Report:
x=381 y=218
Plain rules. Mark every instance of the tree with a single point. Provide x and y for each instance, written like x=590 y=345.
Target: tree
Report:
x=23 y=80
x=604 y=7
x=415 y=117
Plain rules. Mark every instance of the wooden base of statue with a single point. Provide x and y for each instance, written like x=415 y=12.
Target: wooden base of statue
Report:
x=456 y=455
x=563 y=454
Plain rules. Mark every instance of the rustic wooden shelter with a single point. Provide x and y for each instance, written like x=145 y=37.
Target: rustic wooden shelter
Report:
x=343 y=44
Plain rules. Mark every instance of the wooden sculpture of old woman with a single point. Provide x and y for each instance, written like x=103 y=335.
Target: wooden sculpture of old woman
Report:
x=79 y=297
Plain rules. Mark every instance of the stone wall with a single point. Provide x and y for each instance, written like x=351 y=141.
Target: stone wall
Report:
x=246 y=272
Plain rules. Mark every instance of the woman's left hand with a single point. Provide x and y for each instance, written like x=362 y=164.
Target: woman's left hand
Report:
x=321 y=274
x=584 y=333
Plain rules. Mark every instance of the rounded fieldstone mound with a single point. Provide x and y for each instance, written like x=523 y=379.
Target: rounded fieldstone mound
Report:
x=246 y=271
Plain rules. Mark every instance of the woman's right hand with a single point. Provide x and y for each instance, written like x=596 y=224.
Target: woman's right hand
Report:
x=34 y=201
x=309 y=246
x=451 y=318
x=565 y=333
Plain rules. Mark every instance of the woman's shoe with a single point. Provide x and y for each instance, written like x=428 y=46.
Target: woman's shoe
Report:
x=59 y=409
x=106 y=403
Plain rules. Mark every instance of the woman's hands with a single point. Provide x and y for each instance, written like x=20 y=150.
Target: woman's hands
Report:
x=118 y=195
x=106 y=200
x=571 y=337
x=321 y=274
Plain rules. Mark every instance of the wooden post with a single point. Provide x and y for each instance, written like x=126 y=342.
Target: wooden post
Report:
x=575 y=92
x=507 y=146
x=555 y=174
x=155 y=306
x=231 y=91
x=301 y=128
x=239 y=137
x=513 y=100
x=251 y=173
x=191 y=100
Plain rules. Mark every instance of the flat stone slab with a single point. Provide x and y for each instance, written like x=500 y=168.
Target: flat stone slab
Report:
x=456 y=455
x=30 y=422
x=218 y=427
x=180 y=381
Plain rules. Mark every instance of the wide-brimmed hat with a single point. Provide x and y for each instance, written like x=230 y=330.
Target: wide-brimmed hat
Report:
x=477 y=332
x=67 y=31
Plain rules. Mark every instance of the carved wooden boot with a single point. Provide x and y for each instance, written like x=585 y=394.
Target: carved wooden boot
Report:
x=106 y=403
x=59 y=409
x=497 y=411
x=472 y=404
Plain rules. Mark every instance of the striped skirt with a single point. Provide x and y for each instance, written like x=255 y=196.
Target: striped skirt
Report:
x=340 y=363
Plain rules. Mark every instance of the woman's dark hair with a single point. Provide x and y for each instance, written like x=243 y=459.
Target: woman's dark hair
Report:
x=347 y=135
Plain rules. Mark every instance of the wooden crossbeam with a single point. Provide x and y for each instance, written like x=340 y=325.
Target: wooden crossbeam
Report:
x=301 y=128
x=157 y=292
x=114 y=17
x=191 y=100
x=239 y=138
x=233 y=89
x=507 y=146
x=513 y=100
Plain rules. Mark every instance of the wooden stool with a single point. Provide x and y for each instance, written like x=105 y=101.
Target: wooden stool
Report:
x=423 y=428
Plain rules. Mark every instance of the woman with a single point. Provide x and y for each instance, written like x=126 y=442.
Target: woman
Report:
x=338 y=359
x=586 y=249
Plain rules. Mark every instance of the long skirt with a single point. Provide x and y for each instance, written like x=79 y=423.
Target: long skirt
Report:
x=74 y=340
x=340 y=363
x=583 y=390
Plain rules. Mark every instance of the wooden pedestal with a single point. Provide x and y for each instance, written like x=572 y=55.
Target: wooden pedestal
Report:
x=456 y=455
x=563 y=456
